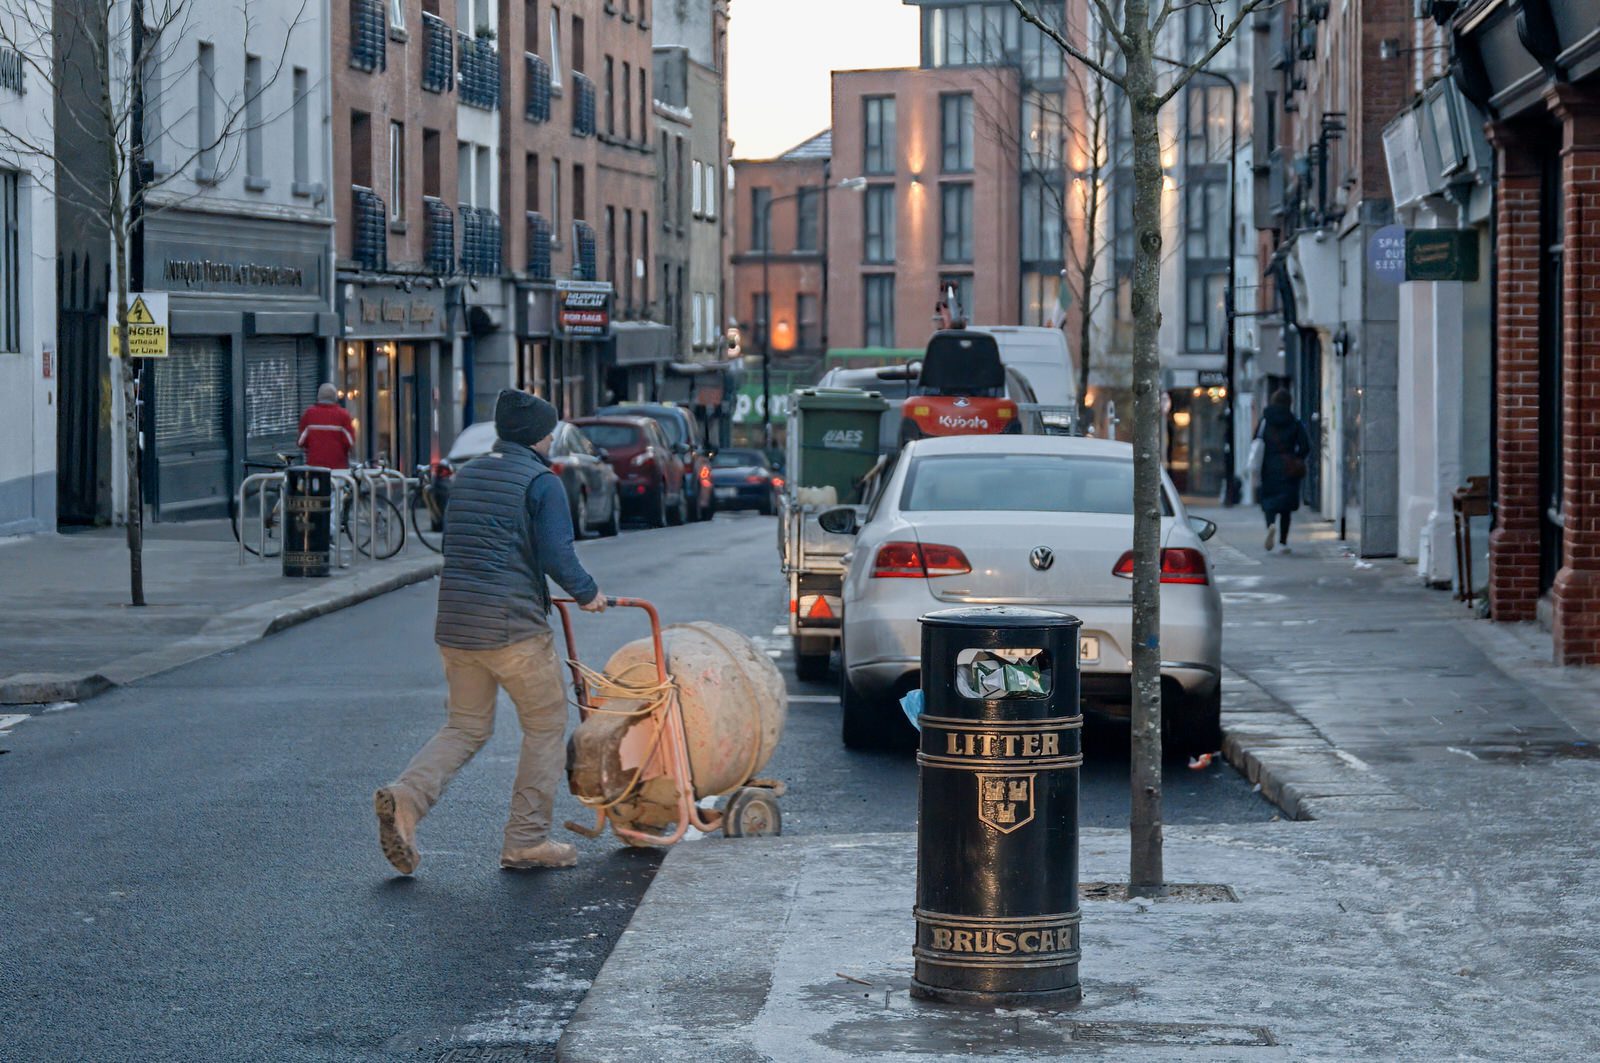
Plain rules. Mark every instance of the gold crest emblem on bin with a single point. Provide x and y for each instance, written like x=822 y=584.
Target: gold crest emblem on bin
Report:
x=1005 y=802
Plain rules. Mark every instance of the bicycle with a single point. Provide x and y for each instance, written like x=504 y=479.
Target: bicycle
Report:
x=358 y=519
x=426 y=499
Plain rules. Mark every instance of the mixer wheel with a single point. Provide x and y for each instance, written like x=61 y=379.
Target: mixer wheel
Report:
x=752 y=812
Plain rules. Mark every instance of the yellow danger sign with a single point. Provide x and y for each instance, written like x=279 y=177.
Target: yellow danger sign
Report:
x=148 y=330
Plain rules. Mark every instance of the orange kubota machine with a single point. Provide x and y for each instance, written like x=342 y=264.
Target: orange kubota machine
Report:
x=961 y=390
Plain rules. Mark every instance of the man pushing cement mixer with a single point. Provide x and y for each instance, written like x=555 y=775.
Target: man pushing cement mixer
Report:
x=507 y=527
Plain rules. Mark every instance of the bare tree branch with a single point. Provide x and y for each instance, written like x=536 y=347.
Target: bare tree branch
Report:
x=1224 y=38
x=1061 y=41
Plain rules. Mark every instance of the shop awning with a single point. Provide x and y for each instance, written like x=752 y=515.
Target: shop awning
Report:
x=642 y=342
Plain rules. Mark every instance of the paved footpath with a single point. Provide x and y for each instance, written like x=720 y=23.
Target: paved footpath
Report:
x=1433 y=898
x=68 y=633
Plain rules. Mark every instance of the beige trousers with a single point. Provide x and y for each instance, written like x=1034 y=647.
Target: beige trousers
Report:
x=531 y=674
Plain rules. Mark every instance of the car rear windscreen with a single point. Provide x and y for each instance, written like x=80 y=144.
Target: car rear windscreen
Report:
x=1039 y=483
x=737 y=459
x=611 y=435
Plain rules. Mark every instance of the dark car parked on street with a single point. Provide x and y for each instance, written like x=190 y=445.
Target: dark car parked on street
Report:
x=593 y=489
x=683 y=434
x=649 y=469
x=745 y=479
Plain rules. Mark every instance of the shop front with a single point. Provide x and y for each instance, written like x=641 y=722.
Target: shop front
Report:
x=639 y=355
x=535 y=320
x=1195 y=403
x=571 y=373
x=250 y=328
x=396 y=371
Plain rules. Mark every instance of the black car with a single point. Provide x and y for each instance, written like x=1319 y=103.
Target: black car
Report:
x=744 y=479
x=678 y=424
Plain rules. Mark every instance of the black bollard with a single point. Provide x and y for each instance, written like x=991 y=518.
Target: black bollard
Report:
x=307 y=521
x=997 y=819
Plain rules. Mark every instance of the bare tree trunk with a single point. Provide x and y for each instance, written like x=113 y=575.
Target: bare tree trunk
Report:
x=1146 y=876
x=129 y=377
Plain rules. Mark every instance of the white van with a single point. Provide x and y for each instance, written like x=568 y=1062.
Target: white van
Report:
x=1040 y=355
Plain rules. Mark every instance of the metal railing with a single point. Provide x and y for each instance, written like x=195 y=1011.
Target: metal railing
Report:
x=438 y=54
x=258 y=526
x=369 y=35
x=479 y=66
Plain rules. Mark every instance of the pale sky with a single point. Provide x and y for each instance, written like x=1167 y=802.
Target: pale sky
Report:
x=779 y=56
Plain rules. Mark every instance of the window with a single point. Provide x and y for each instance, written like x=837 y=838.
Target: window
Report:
x=432 y=175
x=699 y=319
x=955 y=223
x=555 y=47
x=760 y=215
x=484 y=178
x=1199 y=30
x=1205 y=210
x=681 y=171
x=879 y=295
x=464 y=173
x=1021 y=483
x=555 y=198
x=878 y=137
x=627 y=101
x=302 y=131
x=1208 y=124
x=878 y=237
x=397 y=14
x=1204 y=319
x=710 y=173
x=962 y=283
x=397 y=171
x=644 y=107
x=361 y=149
x=530 y=183
x=1041 y=222
x=642 y=266
x=611 y=97
x=808 y=223
x=577 y=44
x=10 y=262
x=699 y=190
x=1122 y=216
x=611 y=246
x=713 y=329
x=580 y=194
x=759 y=317
x=1043 y=133
x=664 y=176
x=955 y=133
x=206 y=112
x=627 y=258
x=807 y=310
x=152 y=96
x=1040 y=292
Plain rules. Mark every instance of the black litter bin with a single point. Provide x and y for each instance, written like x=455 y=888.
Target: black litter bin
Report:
x=307 y=521
x=997 y=819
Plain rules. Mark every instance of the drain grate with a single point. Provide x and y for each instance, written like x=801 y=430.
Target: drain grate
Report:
x=1191 y=892
x=1174 y=1034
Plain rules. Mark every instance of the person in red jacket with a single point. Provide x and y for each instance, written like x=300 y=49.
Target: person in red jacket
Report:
x=327 y=434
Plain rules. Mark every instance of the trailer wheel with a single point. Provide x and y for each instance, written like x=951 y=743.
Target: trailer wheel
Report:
x=752 y=812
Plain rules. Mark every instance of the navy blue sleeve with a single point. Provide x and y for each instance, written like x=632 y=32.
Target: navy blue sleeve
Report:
x=552 y=529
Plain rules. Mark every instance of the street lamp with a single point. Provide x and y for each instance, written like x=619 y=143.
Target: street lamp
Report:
x=853 y=184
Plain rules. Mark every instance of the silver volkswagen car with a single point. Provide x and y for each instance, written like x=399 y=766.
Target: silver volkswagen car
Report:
x=1025 y=520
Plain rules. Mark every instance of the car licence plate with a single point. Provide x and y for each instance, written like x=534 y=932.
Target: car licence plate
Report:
x=726 y=492
x=1089 y=649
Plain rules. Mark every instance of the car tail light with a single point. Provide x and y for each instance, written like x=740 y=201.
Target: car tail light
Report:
x=777 y=481
x=1180 y=564
x=904 y=560
x=754 y=479
x=705 y=474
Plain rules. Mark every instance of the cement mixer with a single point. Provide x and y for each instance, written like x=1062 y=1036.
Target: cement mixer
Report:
x=673 y=722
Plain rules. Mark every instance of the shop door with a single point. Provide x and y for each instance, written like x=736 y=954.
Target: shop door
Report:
x=192 y=453
x=82 y=495
x=408 y=412
x=280 y=382
x=1308 y=402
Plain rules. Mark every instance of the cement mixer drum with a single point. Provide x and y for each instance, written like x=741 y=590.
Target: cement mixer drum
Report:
x=732 y=697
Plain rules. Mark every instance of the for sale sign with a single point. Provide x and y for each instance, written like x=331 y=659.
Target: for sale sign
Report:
x=583 y=309
x=148 y=331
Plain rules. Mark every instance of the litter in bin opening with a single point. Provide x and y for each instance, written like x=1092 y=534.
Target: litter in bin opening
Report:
x=1003 y=673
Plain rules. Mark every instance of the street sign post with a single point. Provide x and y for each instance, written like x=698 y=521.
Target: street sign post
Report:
x=148 y=327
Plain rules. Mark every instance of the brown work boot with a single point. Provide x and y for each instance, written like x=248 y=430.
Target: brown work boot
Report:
x=397 y=829
x=545 y=854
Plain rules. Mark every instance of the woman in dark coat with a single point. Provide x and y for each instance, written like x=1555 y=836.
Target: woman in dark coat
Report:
x=1284 y=448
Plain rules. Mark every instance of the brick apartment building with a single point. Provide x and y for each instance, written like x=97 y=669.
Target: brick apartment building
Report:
x=493 y=164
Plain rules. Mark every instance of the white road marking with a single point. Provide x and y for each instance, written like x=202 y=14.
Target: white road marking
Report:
x=1464 y=752
x=8 y=722
x=1352 y=760
x=781 y=629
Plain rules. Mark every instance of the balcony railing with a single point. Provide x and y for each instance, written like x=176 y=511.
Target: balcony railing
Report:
x=538 y=246
x=480 y=241
x=538 y=109
x=371 y=235
x=369 y=35
x=583 y=105
x=479 y=64
x=440 y=236
x=584 y=251
x=438 y=54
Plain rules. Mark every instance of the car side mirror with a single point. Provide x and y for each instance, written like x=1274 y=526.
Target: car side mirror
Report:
x=1203 y=528
x=841 y=521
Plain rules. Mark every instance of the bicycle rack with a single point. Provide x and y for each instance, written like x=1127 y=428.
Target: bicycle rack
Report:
x=260 y=481
x=366 y=483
